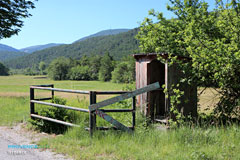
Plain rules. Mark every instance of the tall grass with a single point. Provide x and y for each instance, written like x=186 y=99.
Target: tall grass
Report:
x=185 y=142
x=179 y=144
x=13 y=110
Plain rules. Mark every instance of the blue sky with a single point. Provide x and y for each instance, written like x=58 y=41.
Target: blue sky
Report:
x=64 y=21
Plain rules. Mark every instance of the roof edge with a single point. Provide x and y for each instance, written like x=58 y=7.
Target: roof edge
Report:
x=154 y=56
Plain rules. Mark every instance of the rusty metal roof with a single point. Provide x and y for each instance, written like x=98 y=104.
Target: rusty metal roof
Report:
x=152 y=56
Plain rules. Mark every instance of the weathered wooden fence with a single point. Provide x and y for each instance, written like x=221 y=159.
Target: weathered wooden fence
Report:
x=94 y=108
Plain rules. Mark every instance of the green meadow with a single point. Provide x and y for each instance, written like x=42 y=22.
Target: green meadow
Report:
x=21 y=84
x=186 y=142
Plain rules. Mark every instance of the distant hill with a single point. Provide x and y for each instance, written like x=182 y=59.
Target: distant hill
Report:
x=4 y=48
x=117 y=45
x=7 y=52
x=7 y=55
x=104 y=33
x=39 y=47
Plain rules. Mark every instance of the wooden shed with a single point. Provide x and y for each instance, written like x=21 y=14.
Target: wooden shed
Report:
x=155 y=104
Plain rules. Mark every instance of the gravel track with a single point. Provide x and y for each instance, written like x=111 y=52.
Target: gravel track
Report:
x=19 y=136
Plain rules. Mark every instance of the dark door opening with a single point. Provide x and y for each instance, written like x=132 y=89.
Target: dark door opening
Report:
x=156 y=99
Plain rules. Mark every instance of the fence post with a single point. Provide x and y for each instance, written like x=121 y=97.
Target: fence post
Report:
x=31 y=98
x=92 y=115
x=52 y=85
x=133 y=112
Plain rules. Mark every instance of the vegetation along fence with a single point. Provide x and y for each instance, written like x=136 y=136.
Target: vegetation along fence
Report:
x=94 y=108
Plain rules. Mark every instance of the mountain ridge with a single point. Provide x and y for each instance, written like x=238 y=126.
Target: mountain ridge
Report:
x=8 y=55
x=103 y=33
x=117 y=45
x=4 y=47
x=8 y=52
x=35 y=48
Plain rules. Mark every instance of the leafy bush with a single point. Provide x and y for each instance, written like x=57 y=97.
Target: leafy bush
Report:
x=55 y=113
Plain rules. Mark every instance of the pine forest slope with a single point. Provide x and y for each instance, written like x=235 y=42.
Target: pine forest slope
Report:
x=118 y=45
x=7 y=55
x=7 y=52
x=104 y=33
x=39 y=47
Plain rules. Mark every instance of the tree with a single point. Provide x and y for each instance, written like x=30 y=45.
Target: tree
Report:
x=124 y=72
x=79 y=73
x=3 y=70
x=211 y=39
x=11 y=14
x=106 y=68
x=119 y=75
x=84 y=60
x=94 y=66
x=42 y=67
x=59 y=68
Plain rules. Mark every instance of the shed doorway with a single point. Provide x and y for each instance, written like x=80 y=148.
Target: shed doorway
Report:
x=156 y=98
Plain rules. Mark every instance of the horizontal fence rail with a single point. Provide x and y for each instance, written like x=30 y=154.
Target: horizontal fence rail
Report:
x=61 y=90
x=60 y=106
x=116 y=110
x=110 y=92
x=44 y=85
x=54 y=120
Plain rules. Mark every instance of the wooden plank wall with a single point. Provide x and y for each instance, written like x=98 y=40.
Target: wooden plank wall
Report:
x=141 y=81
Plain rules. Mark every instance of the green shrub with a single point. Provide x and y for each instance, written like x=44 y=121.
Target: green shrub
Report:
x=55 y=113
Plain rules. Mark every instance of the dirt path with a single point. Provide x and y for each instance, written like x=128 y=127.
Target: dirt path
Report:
x=18 y=143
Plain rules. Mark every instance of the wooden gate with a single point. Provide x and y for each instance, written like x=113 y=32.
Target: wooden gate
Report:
x=95 y=108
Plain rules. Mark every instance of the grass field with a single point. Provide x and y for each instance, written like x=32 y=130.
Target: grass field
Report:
x=17 y=85
x=14 y=94
x=194 y=143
